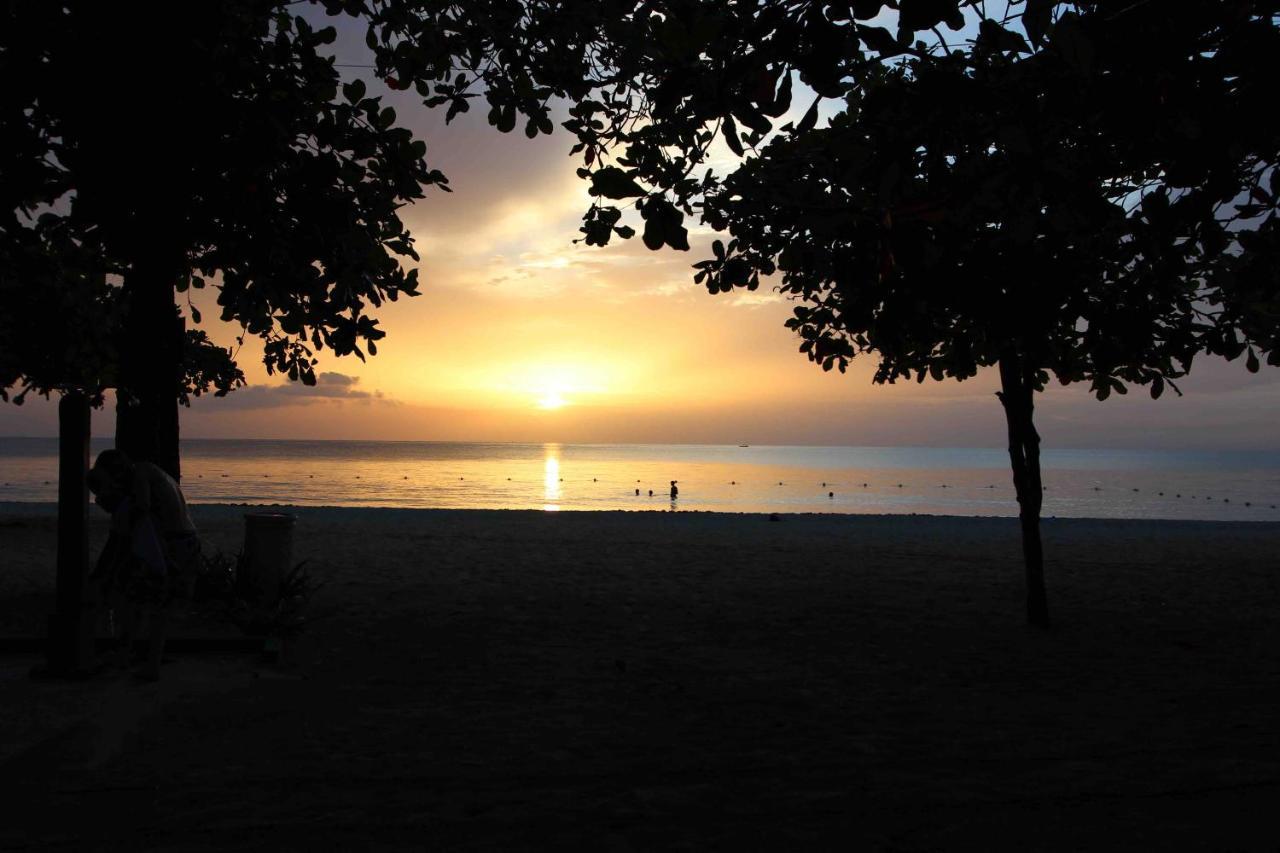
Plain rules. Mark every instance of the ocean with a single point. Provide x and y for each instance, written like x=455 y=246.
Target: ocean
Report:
x=1232 y=486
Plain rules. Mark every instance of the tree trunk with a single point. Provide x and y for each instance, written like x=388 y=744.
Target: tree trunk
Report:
x=151 y=367
x=1016 y=392
x=136 y=169
x=71 y=628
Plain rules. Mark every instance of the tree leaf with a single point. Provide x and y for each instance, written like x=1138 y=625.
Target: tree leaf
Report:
x=1069 y=41
x=612 y=182
x=1036 y=18
x=731 y=135
x=653 y=234
x=781 y=100
x=880 y=40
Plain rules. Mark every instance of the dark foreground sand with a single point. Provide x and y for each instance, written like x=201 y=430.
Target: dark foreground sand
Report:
x=614 y=681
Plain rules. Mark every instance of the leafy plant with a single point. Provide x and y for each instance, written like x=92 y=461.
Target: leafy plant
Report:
x=227 y=591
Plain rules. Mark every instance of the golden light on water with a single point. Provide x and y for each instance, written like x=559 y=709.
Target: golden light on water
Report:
x=551 y=478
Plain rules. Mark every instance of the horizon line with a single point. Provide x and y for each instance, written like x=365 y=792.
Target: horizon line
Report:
x=997 y=447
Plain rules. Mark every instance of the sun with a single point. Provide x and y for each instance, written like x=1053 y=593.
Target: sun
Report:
x=551 y=400
x=555 y=386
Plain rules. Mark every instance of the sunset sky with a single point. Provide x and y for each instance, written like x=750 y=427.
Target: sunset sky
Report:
x=519 y=335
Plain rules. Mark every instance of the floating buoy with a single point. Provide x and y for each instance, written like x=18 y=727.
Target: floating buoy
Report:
x=779 y=482
x=899 y=485
x=1246 y=503
x=1162 y=494
x=733 y=482
x=831 y=494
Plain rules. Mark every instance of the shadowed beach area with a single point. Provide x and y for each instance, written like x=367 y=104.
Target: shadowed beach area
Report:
x=638 y=681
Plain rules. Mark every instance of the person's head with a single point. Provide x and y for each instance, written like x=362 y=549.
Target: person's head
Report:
x=109 y=478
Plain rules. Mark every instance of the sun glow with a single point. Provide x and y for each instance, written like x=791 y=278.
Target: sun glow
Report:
x=554 y=387
x=551 y=400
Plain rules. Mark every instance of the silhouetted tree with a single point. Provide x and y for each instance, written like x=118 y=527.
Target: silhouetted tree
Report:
x=224 y=148
x=229 y=151
x=1053 y=191
x=61 y=329
x=1247 y=284
x=60 y=332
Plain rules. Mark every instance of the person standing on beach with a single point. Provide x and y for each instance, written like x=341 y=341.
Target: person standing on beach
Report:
x=153 y=553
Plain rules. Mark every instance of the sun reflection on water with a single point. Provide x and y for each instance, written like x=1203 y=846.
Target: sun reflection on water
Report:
x=551 y=478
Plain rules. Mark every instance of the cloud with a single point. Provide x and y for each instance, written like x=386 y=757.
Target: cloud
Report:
x=754 y=298
x=329 y=385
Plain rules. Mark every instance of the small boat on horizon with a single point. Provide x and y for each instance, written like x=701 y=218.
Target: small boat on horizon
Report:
x=744 y=445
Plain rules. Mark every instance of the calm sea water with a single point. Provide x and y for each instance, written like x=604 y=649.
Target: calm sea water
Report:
x=952 y=481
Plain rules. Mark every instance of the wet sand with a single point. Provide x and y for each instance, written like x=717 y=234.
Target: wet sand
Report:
x=637 y=681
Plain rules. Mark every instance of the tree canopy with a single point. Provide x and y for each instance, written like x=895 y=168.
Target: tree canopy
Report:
x=61 y=325
x=1071 y=190
x=228 y=147
x=223 y=148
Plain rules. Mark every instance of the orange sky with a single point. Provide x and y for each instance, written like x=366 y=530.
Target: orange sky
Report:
x=522 y=336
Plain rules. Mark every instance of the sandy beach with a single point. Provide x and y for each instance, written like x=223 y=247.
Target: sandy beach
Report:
x=646 y=681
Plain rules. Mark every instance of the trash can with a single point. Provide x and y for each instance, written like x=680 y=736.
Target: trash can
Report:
x=268 y=552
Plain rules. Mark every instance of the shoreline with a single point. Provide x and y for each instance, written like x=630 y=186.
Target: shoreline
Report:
x=47 y=508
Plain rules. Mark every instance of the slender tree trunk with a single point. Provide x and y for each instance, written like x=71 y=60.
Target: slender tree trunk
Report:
x=151 y=365
x=1016 y=395
x=71 y=628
